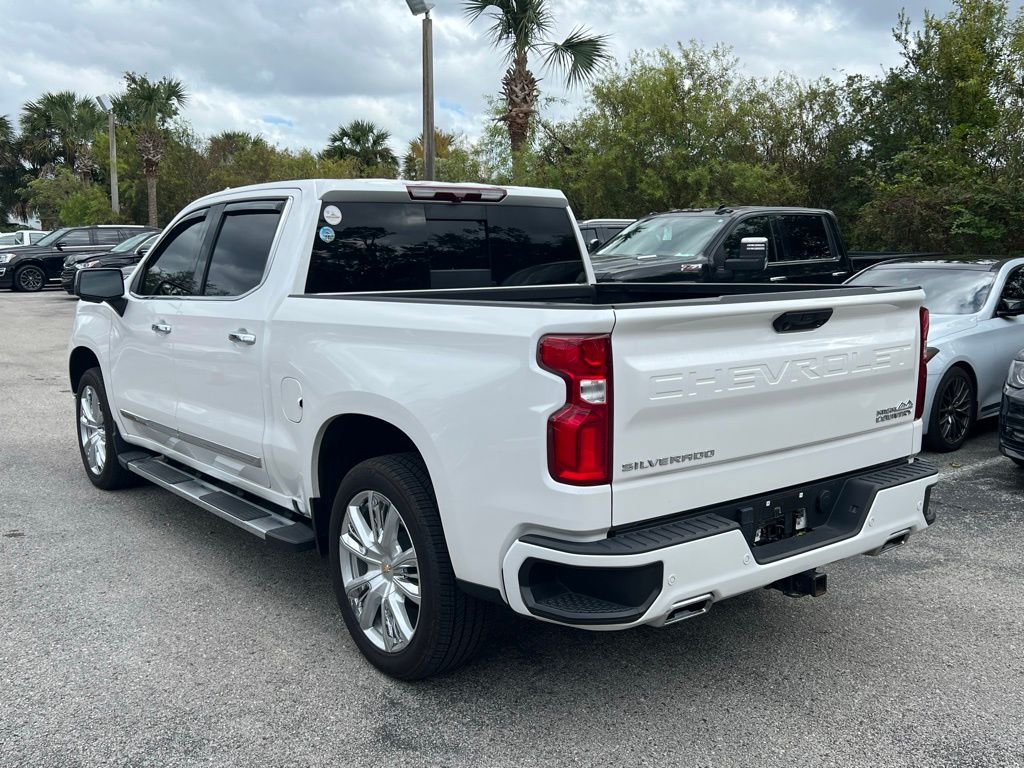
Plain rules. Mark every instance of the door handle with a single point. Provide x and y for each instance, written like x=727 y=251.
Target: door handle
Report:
x=242 y=336
x=839 y=274
x=163 y=328
x=779 y=279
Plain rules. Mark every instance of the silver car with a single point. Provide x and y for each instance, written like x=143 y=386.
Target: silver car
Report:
x=976 y=306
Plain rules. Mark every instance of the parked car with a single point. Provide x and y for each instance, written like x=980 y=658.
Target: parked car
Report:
x=1011 y=413
x=597 y=232
x=126 y=254
x=794 y=245
x=22 y=237
x=976 y=305
x=31 y=267
x=341 y=364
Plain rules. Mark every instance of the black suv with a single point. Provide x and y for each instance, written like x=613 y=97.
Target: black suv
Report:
x=123 y=255
x=31 y=267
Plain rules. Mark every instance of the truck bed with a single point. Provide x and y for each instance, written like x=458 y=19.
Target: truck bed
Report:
x=614 y=295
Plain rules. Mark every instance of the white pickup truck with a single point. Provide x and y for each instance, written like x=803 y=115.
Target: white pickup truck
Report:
x=425 y=383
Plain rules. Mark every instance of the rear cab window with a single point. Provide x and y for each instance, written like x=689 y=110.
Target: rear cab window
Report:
x=384 y=246
x=805 y=237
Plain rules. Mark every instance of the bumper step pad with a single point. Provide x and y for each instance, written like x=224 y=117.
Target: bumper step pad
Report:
x=259 y=520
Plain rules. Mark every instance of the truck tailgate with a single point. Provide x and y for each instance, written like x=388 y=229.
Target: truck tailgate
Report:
x=721 y=400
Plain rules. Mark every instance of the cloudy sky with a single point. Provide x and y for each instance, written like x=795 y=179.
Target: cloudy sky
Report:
x=293 y=70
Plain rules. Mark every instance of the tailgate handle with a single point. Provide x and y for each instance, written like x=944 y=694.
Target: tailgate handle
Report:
x=806 y=320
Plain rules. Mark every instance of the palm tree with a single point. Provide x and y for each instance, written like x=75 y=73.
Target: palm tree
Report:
x=522 y=27
x=10 y=168
x=76 y=120
x=412 y=163
x=147 y=106
x=364 y=141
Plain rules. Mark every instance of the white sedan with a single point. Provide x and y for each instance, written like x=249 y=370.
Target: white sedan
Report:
x=976 y=306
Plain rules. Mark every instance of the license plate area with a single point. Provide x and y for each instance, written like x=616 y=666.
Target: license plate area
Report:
x=778 y=518
x=776 y=524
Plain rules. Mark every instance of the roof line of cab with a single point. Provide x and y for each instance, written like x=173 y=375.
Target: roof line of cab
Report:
x=729 y=210
x=321 y=187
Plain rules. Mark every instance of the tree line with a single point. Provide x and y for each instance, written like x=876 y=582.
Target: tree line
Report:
x=927 y=155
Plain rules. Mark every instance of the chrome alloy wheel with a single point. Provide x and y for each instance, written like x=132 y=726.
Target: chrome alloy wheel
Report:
x=379 y=571
x=91 y=430
x=955 y=410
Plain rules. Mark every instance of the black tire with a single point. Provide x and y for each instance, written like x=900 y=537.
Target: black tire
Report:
x=29 y=278
x=1018 y=462
x=450 y=624
x=953 y=412
x=112 y=475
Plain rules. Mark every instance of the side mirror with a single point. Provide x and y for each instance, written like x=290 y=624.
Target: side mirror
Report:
x=143 y=250
x=1010 y=308
x=593 y=245
x=99 y=286
x=59 y=245
x=753 y=256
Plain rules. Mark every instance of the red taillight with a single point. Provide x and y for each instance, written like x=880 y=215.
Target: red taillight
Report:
x=922 y=370
x=580 y=434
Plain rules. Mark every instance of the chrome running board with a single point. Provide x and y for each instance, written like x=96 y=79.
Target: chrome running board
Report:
x=248 y=515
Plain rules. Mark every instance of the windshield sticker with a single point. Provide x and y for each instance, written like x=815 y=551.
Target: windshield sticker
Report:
x=332 y=215
x=327 y=234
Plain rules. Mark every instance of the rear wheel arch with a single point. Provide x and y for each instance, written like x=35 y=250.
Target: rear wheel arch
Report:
x=339 y=451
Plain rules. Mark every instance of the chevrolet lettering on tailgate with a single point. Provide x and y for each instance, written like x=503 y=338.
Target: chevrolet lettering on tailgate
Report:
x=711 y=381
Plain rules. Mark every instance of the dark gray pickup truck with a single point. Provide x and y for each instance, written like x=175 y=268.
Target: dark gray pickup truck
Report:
x=743 y=244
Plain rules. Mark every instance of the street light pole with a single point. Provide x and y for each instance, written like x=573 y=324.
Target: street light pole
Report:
x=429 y=149
x=115 y=203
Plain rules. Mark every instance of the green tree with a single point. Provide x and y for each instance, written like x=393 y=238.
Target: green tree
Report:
x=366 y=142
x=11 y=169
x=456 y=159
x=147 y=107
x=63 y=199
x=522 y=27
x=676 y=129
x=59 y=128
x=940 y=135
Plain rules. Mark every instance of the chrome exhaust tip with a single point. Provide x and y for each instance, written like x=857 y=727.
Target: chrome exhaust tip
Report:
x=695 y=606
x=896 y=540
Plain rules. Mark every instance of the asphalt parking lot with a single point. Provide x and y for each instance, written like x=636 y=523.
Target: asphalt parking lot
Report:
x=138 y=630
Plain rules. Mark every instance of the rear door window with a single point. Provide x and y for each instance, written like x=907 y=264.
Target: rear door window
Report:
x=172 y=269
x=805 y=238
x=108 y=236
x=242 y=247
x=417 y=246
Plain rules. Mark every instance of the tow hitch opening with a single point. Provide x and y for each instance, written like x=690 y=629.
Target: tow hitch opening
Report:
x=812 y=582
